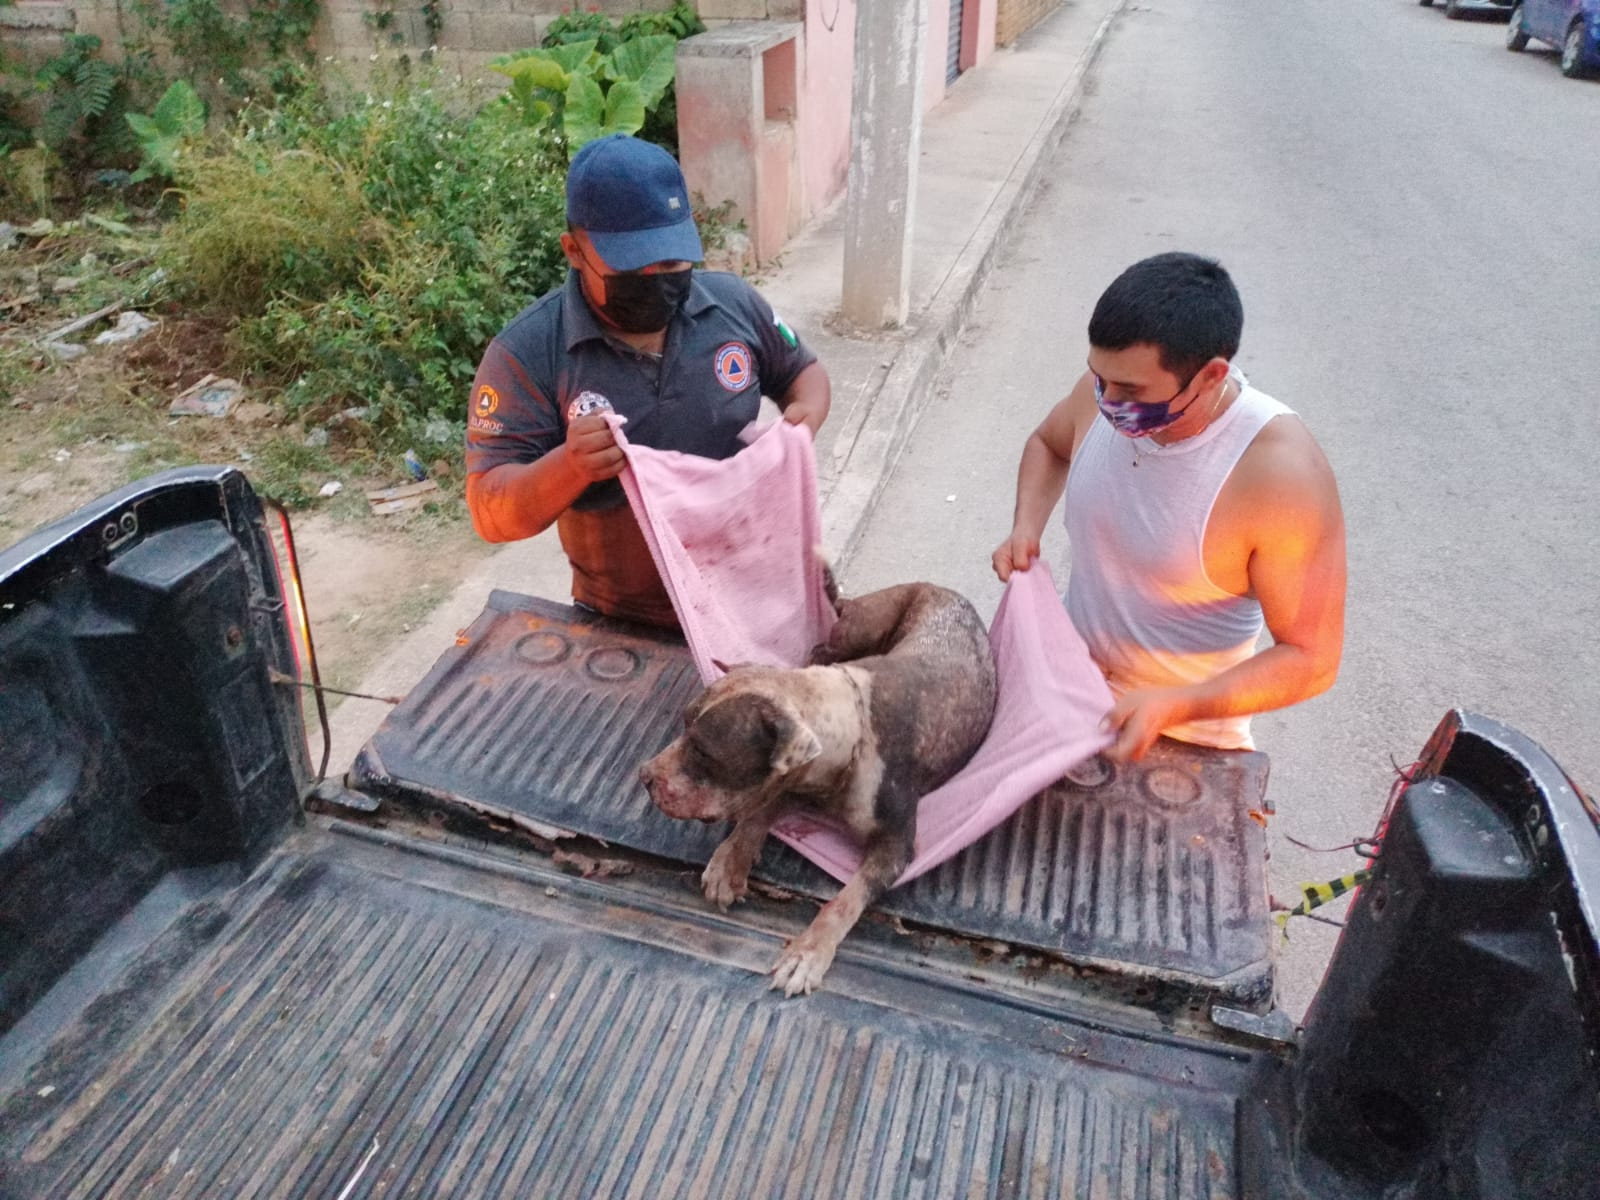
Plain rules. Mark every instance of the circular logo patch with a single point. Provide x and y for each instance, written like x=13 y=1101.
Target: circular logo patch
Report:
x=733 y=366
x=488 y=400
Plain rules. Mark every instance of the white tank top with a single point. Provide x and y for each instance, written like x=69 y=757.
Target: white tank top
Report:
x=1136 y=513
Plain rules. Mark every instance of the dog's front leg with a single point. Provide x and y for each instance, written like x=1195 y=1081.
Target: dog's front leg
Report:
x=727 y=875
x=806 y=959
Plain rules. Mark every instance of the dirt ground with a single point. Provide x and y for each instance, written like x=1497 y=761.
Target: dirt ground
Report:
x=75 y=430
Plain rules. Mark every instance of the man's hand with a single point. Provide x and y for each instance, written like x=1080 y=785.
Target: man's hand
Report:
x=1140 y=717
x=808 y=399
x=1016 y=553
x=592 y=450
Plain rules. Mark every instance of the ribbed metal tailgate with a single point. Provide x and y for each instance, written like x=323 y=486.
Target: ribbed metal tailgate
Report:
x=544 y=715
x=362 y=1020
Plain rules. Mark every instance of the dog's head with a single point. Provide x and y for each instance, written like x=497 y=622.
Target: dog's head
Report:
x=745 y=739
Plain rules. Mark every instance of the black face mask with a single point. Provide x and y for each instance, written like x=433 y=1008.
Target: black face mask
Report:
x=643 y=303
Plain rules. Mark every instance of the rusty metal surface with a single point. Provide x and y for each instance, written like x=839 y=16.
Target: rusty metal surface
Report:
x=359 y=1022
x=543 y=717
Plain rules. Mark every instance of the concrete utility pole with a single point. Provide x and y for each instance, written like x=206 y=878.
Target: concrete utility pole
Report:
x=885 y=139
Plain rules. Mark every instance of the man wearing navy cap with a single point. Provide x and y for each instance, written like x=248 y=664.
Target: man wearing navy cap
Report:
x=685 y=355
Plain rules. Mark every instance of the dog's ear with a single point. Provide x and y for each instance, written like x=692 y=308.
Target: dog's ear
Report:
x=794 y=743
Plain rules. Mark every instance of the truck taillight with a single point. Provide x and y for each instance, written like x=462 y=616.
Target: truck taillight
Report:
x=306 y=675
x=294 y=602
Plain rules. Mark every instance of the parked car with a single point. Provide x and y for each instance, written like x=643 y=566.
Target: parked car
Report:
x=1456 y=9
x=1572 y=26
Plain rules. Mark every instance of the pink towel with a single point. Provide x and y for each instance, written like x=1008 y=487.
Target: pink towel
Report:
x=1046 y=721
x=736 y=544
x=736 y=541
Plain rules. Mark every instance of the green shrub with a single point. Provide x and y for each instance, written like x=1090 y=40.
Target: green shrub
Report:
x=261 y=221
x=86 y=98
x=472 y=206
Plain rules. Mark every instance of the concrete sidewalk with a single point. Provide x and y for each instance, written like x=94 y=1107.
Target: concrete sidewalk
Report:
x=981 y=154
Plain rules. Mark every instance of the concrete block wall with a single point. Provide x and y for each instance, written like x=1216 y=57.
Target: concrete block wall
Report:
x=31 y=33
x=1015 y=17
x=714 y=11
x=473 y=33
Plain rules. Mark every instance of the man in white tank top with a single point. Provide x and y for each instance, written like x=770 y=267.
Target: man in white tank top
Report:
x=1199 y=510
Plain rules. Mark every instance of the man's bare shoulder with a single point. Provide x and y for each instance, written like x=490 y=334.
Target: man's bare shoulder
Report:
x=1285 y=466
x=1068 y=422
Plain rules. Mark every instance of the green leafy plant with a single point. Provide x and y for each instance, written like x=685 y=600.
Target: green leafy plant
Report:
x=679 y=21
x=81 y=87
x=586 y=94
x=177 y=119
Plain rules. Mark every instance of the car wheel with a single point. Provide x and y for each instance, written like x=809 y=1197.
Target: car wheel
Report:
x=1516 y=39
x=1452 y=10
x=1572 y=53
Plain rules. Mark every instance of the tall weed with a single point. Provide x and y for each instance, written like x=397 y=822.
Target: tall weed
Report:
x=471 y=209
x=260 y=222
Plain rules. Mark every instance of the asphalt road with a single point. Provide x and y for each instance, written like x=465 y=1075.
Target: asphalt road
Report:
x=1410 y=212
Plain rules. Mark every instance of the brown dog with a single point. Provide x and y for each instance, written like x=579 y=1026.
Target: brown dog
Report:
x=899 y=698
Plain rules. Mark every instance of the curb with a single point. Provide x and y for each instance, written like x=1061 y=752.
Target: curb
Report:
x=866 y=453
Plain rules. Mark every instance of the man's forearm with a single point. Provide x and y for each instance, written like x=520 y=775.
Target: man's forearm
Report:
x=808 y=399
x=1276 y=677
x=518 y=500
x=1041 y=477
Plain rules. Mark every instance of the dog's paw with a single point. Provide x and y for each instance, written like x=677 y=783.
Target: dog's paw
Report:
x=722 y=882
x=801 y=966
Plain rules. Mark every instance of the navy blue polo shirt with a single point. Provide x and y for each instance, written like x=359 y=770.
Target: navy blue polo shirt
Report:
x=724 y=350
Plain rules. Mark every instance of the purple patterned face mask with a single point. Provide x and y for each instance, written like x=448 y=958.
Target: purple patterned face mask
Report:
x=1135 y=418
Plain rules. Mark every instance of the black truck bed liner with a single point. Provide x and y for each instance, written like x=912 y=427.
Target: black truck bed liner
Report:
x=370 y=1014
x=542 y=715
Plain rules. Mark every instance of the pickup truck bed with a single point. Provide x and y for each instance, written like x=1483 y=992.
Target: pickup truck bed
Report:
x=401 y=1012
x=481 y=965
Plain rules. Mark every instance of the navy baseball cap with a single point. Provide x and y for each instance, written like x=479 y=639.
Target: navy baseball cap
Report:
x=630 y=198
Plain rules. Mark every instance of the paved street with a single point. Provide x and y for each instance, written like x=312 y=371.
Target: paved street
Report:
x=1410 y=213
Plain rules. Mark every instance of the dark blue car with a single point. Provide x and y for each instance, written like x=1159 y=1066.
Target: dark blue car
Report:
x=1572 y=26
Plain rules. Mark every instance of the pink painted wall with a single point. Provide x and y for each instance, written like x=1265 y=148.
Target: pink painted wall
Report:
x=824 y=133
x=977 y=43
x=934 y=50
x=978 y=20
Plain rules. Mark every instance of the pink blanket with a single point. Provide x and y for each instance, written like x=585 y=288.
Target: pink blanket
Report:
x=735 y=542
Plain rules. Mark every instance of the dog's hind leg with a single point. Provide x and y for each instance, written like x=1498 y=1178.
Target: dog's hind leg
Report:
x=866 y=625
x=806 y=959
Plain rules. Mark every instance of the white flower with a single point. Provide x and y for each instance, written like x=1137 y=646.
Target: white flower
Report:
x=373 y=57
x=388 y=104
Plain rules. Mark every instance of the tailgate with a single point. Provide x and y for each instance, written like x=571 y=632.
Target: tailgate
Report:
x=541 y=716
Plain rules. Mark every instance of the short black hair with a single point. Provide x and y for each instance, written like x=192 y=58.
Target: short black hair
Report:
x=1184 y=305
